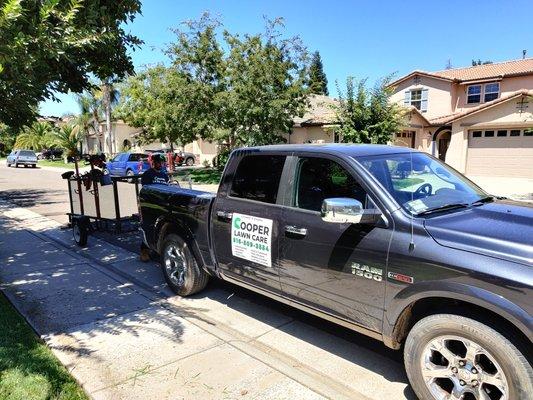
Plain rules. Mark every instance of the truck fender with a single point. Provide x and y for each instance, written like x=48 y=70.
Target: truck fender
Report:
x=453 y=291
x=163 y=222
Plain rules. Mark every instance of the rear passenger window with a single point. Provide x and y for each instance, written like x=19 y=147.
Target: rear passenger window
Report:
x=257 y=178
x=135 y=157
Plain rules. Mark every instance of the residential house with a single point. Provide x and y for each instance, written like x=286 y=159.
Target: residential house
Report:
x=478 y=119
x=318 y=123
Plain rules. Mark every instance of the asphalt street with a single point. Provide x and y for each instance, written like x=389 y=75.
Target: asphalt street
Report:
x=44 y=192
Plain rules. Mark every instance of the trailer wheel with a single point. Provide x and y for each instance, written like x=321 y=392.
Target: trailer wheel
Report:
x=80 y=232
x=182 y=273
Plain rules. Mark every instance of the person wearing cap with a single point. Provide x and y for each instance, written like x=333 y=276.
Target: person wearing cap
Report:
x=98 y=173
x=156 y=174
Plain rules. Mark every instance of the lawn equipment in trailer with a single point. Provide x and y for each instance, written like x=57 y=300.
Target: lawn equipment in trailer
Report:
x=99 y=202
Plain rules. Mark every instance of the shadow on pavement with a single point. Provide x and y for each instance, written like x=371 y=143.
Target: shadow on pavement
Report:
x=62 y=292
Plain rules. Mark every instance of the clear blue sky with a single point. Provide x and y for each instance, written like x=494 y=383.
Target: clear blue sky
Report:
x=360 y=38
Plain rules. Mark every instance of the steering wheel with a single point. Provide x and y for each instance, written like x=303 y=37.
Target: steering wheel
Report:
x=426 y=189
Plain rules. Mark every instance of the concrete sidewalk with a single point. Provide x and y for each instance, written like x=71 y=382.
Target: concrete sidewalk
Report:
x=123 y=335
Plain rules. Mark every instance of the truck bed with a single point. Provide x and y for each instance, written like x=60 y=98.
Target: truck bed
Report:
x=187 y=208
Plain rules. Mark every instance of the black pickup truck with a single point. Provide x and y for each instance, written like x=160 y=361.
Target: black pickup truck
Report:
x=384 y=240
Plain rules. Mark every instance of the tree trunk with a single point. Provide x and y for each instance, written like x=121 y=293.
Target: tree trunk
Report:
x=107 y=110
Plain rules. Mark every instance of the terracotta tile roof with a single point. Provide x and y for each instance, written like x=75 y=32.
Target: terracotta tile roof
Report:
x=501 y=69
x=320 y=112
x=452 y=117
x=487 y=71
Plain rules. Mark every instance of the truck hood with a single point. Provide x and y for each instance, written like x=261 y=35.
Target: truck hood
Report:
x=501 y=229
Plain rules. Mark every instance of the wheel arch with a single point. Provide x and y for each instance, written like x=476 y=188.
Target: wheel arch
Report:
x=411 y=305
x=168 y=224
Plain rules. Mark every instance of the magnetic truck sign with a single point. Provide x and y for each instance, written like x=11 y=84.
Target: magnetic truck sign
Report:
x=251 y=238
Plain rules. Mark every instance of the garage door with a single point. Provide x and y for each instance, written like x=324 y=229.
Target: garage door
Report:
x=500 y=152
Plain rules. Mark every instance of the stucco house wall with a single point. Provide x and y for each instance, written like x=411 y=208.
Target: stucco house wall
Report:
x=440 y=92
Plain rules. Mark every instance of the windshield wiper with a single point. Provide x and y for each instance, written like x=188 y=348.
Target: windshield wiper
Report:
x=445 y=207
x=483 y=200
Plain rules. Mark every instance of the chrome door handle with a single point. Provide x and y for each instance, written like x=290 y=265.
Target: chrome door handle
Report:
x=224 y=215
x=293 y=230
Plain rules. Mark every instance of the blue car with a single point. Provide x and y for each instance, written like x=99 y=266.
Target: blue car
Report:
x=128 y=164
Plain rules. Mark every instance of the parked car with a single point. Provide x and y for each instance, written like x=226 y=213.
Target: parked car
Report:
x=21 y=157
x=52 y=154
x=180 y=157
x=128 y=164
x=433 y=265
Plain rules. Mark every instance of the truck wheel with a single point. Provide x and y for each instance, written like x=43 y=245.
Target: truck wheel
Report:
x=16 y=165
x=453 y=357
x=80 y=233
x=180 y=268
x=189 y=162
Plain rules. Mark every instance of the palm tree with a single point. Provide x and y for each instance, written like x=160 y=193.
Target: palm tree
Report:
x=109 y=99
x=90 y=112
x=35 y=137
x=67 y=138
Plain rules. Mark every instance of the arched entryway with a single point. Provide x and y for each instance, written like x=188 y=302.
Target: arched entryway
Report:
x=441 y=142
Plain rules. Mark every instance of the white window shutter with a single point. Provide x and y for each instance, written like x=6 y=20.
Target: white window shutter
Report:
x=424 y=103
x=407 y=100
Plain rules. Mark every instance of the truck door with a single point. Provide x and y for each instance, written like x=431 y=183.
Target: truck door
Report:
x=246 y=219
x=337 y=268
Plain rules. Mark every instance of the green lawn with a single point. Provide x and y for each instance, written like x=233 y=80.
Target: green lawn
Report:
x=28 y=369
x=203 y=175
x=405 y=182
x=56 y=163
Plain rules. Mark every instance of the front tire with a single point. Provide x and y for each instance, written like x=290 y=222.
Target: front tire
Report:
x=16 y=165
x=453 y=357
x=182 y=273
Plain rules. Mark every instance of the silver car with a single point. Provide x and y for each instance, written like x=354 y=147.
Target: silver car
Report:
x=22 y=157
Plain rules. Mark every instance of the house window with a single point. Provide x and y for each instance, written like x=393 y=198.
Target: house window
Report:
x=474 y=94
x=502 y=133
x=476 y=134
x=515 y=132
x=489 y=133
x=417 y=98
x=492 y=91
x=528 y=132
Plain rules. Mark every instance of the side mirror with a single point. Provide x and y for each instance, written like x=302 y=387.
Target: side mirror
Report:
x=342 y=210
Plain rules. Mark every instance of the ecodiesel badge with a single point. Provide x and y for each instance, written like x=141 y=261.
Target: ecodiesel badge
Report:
x=251 y=238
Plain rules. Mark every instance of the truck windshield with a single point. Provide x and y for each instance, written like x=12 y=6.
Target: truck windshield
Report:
x=421 y=184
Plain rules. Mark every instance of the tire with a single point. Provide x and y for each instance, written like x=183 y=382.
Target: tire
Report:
x=34 y=165
x=8 y=164
x=495 y=354
x=130 y=173
x=16 y=165
x=188 y=279
x=189 y=162
x=80 y=232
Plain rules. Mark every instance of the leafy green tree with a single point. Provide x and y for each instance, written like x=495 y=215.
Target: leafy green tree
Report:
x=318 y=83
x=7 y=139
x=264 y=89
x=54 y=46
x=479 y=62
x=366 y=115
x=37 y=136
x=176 y=104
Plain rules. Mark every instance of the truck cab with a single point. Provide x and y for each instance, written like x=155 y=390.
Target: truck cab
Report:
x=384 y=240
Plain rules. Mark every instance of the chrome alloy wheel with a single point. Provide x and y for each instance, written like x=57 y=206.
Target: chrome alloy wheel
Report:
x=455 y=368
x=175 y=264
